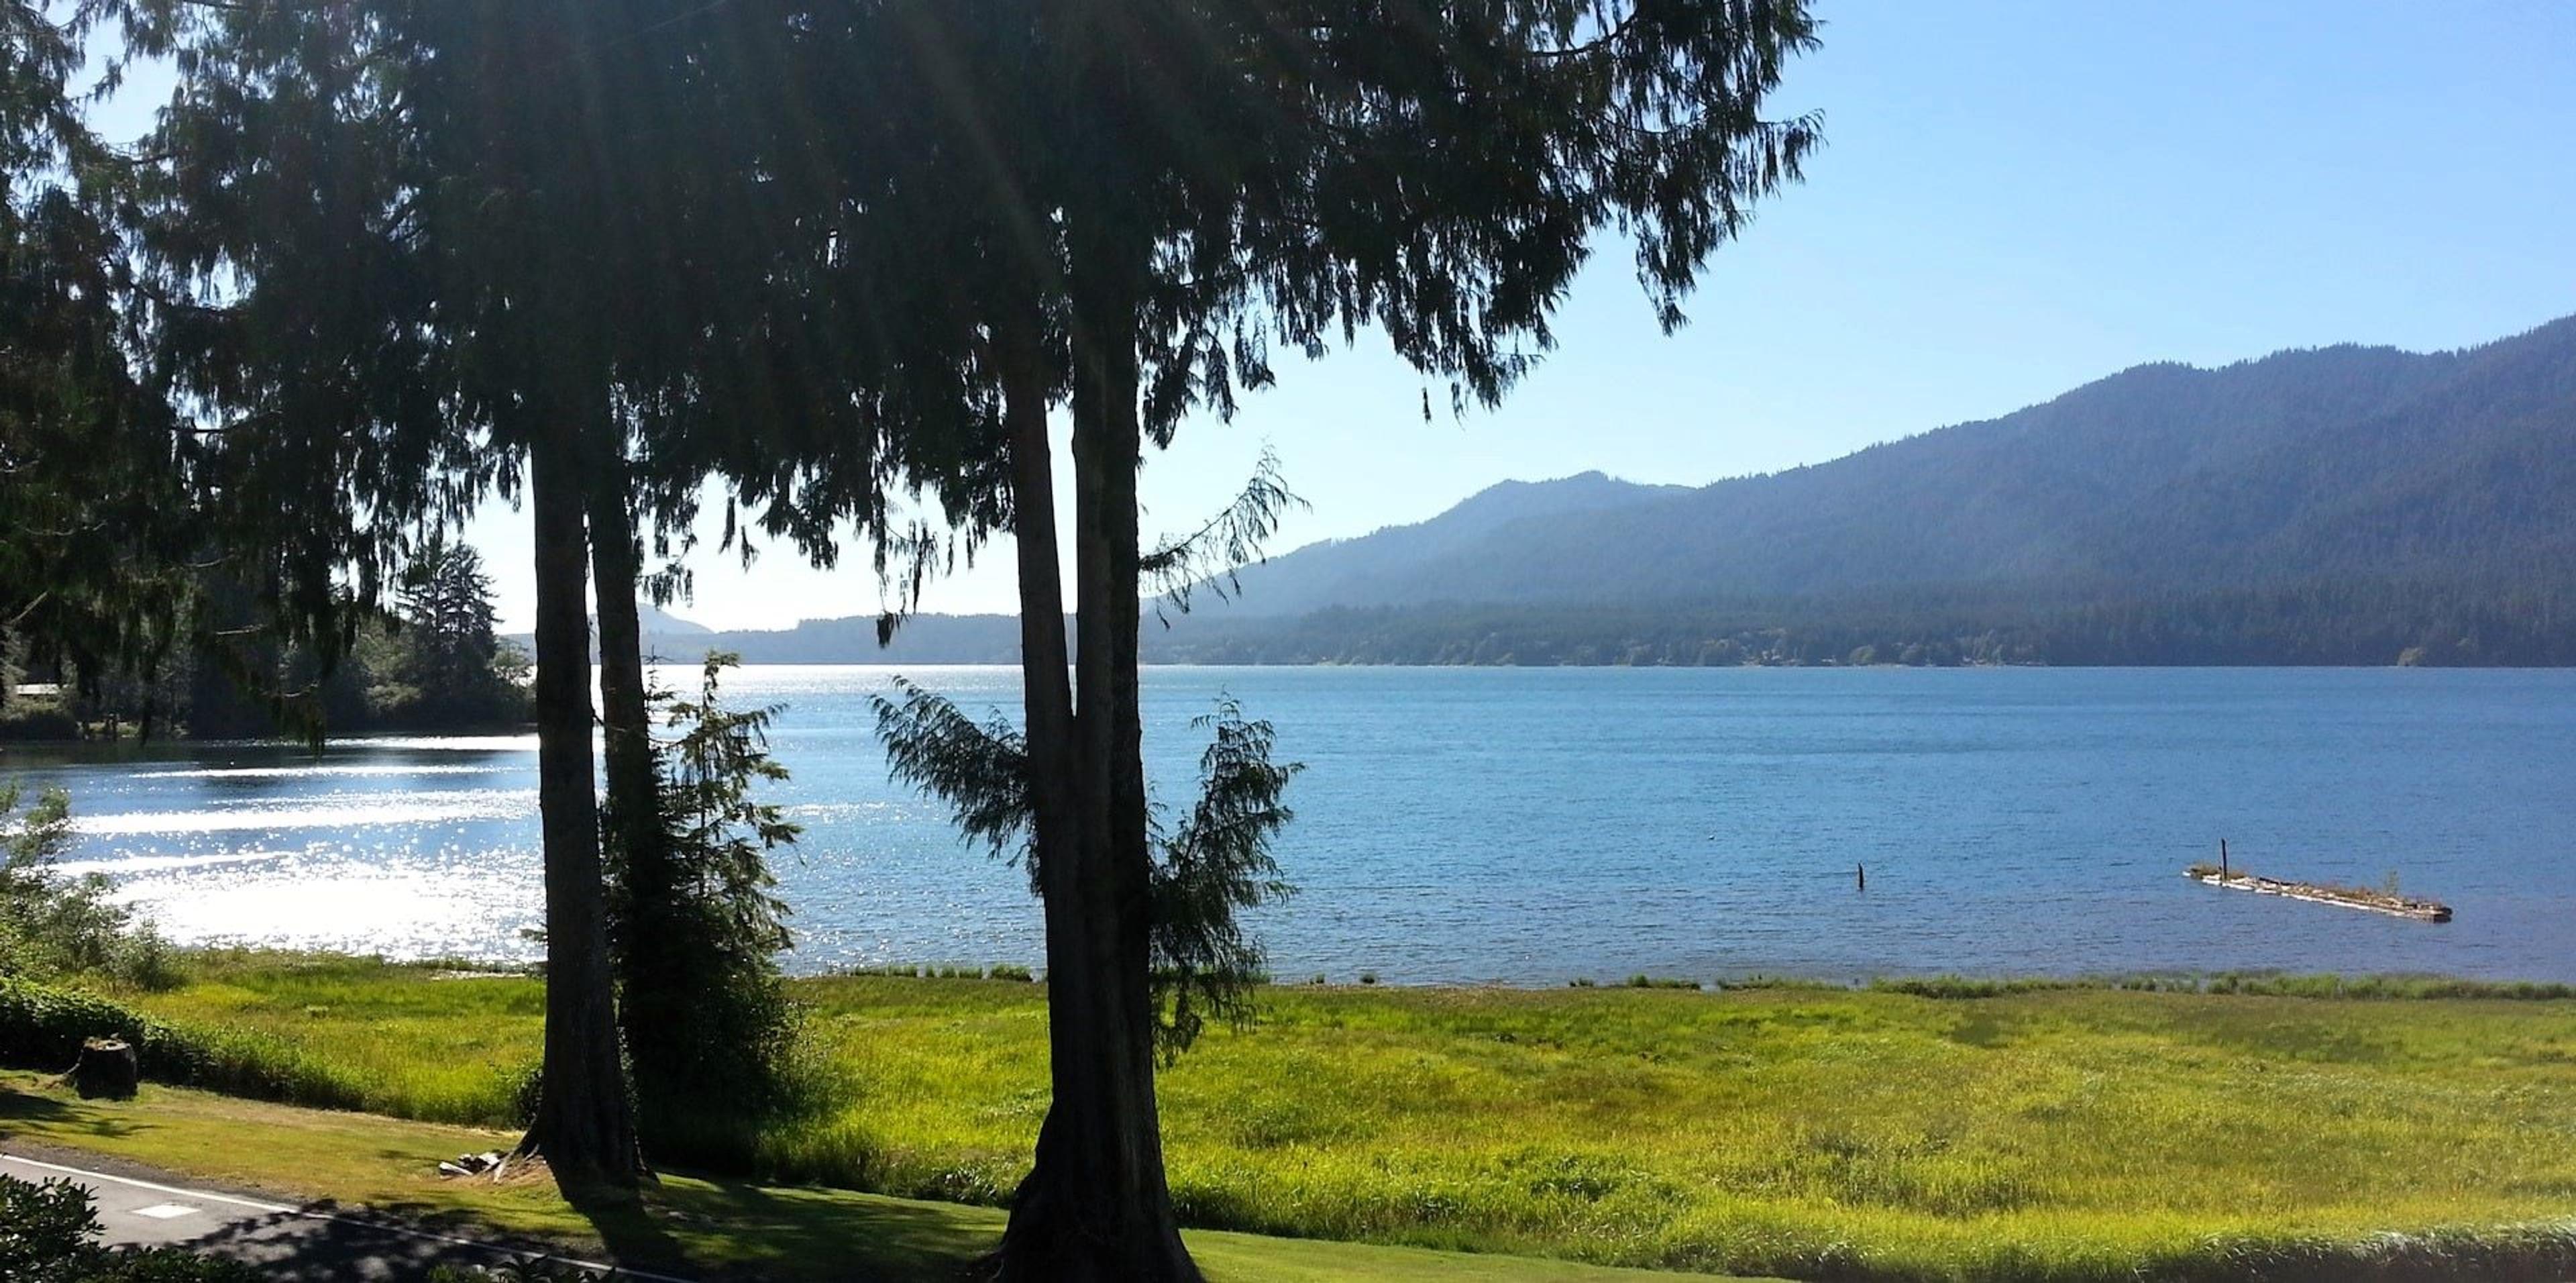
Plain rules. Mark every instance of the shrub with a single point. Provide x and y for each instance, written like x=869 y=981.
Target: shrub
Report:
x=31 y=719
x=1643 y=981
x=49 y=1233
x=41 y=1225
x=695 y=929
x=53 y=927
x=144 y=960
x=1784 y=983
x=43 y=1028
x=2240 y=983
x=940 y=971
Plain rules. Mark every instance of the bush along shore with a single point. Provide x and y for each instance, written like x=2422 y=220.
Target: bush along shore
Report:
x=2223 y=1127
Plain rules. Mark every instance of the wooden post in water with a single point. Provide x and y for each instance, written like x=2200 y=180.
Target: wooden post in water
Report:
x=1860 y=877
x=2222 y=859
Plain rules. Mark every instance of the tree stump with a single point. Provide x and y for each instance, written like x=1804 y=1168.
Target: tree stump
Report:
x=107 y=1067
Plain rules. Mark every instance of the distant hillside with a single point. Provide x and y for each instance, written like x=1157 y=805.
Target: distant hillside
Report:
x=2341 y=463
x=1385 y=565
x=2345 y=505
x=662 y=623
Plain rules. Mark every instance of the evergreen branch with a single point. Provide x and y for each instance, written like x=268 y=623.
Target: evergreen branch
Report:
x=1213 y=556
x=981 y=771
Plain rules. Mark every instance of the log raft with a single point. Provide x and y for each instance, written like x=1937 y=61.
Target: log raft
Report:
x=2362 y=898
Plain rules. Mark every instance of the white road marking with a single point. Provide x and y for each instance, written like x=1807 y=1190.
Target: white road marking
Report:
x=166 y=1211
x=201 y=1195
x=280 y=1209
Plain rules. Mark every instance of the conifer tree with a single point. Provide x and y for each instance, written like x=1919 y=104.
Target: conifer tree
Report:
x=409 y=247
x=97 y=535
x=1131 y=200
x=1236 y=173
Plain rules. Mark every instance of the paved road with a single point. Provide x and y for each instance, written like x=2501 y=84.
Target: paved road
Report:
x=145 y=1208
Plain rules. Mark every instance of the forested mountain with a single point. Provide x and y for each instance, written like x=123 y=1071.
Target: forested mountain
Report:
x=656 y=620
x=2337 y=463
x=1384 y=566
x=2343 y=505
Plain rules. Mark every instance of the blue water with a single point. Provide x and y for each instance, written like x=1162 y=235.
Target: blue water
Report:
x=1532 y=826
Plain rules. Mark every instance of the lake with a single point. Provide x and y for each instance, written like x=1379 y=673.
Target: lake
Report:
x=1529 y=825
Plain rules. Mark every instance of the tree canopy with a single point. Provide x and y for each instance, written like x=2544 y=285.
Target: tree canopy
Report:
x=1218 y=178
x=94 y=552
x=850 y=260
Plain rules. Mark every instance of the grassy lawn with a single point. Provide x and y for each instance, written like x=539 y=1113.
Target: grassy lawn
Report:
x=688 y=1224
x=2061 y=1134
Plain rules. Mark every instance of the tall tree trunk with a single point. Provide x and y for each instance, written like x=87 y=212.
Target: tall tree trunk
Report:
x=584 y=1127
x=1096 y=1206
x=641 y=881
x=632 y=822
x=1126 y=889
x=1041 y=1235
x=1044 y=665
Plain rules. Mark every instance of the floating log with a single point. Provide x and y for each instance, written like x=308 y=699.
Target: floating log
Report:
x=2363 y=898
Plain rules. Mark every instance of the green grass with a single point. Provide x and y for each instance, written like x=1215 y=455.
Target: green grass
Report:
x=687 y=1223
x=434 y=1043
x=1931 y=1130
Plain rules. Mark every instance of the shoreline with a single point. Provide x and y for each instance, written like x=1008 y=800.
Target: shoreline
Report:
x=2248 y=982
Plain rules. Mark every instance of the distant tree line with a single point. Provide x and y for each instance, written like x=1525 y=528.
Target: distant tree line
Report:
x=2355 y=623
x=430 y=661
x=2454 y=621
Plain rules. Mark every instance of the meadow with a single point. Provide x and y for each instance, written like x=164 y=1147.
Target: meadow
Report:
x=714 y=1229
x=1935 y=1130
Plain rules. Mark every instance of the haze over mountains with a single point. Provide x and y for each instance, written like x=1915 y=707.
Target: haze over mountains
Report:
x=2338 y=505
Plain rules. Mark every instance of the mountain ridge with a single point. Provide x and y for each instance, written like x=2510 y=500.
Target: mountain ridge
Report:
x=2418 y=502
x=2055 y=491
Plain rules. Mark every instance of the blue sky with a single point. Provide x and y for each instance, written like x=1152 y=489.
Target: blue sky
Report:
x=2014 y=199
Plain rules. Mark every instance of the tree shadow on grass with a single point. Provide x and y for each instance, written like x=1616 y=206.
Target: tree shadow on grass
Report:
x=630 y=1229
x=57 y=1113
x=805 y=1233
x=697 y=1228
x=17 y=1106
x=309 y=1245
